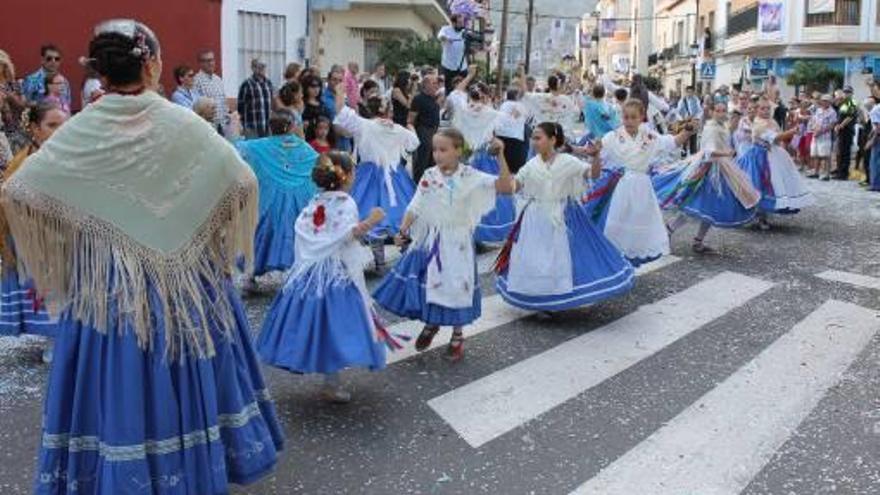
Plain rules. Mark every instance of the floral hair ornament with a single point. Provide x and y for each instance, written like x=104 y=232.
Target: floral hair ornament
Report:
x=146 y=44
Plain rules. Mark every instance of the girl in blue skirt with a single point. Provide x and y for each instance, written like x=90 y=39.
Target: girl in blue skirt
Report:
x=21 y=308
x=555 y=259
x=708 y=187
x=436 y=280
x=322 y=321
x=381 y=179
x=283 y=165
x=477 y=121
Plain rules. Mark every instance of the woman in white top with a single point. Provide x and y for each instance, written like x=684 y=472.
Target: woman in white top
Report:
x=624 y=204
x=709 y=187
x=555 y=258
x=381 y=179
x=512 y=131
x=477 y=121
x=436 y=280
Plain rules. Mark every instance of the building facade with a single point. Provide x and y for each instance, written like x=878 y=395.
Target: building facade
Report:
x=642 y=34
x=615 y=36
x=354 y=31
x=847 y=39
x=675 y=60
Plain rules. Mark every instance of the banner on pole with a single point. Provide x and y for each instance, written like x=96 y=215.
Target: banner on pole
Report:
x=759 y=67
x=771 y=20
x=820 y=6
x=607 y=28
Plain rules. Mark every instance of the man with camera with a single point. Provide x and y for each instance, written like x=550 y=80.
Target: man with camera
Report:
x=454 y=59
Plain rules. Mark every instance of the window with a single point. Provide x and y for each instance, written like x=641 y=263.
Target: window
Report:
x=262 y=36
x=846 y=13
x=371 y=53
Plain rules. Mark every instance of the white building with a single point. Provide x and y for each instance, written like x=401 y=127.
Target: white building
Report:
x=846 y=39
x=354 y=32
x=675 y=39
x=642 y=44
x=273 y=30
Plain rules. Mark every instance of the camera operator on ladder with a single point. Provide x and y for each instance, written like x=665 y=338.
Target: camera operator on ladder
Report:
x=454 y=58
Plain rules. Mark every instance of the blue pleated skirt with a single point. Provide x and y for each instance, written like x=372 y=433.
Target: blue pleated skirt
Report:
x=755 y=162
x=704 y=202
x=495 y=225
x=119 y=419
x=403 y=293
x=599 y=270
x=274 y=238
x=319 y=330
x=20 y=309
x=370 y=190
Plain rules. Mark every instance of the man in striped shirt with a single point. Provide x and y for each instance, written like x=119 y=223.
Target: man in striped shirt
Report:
x=207 y=83
x=255 y=101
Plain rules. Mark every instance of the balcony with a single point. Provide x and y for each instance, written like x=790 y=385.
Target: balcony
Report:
x=742 y=21
x=846 y=13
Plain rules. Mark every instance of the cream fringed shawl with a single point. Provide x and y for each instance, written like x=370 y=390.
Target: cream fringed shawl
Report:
x=136 y=202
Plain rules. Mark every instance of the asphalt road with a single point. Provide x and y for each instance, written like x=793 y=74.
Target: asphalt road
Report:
x=752 y=370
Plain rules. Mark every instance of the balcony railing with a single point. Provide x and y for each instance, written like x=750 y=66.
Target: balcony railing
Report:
x=743 y=21
x=846 y=13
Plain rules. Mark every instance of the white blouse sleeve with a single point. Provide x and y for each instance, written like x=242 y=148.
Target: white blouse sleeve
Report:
x=349 y=120
x=408 y=139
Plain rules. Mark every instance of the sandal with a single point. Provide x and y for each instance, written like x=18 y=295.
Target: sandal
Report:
x=700 y=248
x=426 y=337
x=455 y=350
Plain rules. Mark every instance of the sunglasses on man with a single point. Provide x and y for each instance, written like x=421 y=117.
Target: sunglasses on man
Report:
x=52 y=58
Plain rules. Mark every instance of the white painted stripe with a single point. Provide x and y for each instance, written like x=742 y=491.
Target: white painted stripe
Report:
x=719 y=443
x=851 y=278
x=495 y=313
x=489 y=407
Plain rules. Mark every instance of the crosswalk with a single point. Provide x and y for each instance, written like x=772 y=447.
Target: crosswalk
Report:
x=715 y=445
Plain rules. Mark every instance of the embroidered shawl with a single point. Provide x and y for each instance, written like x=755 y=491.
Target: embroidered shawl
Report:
x=140 y=203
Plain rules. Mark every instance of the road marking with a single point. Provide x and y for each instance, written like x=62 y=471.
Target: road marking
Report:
x=496 y=313
x=851 y=279
x=719 y=443
x=489 y=407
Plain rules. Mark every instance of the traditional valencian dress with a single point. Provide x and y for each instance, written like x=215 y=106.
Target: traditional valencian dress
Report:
x=773 y=172
x=477 y=123
x=436 y=280
x=130 y=219
x=322 y=320
x=21 y=309
x=283 y=166
x=557 y=259
x=712 y=190
x=381 y=180
x=623 y=203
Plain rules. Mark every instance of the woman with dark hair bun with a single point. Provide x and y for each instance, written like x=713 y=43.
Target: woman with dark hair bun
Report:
x=555 y=259
x=132 y=238
x=23 y=311
x=283 y=165
x=323 y=321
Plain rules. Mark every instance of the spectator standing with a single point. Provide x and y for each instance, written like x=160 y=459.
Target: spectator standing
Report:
x=847 y=116
x=12 y=103
x=874 y=146
x=255 y=101
x=55 y=85
x=401 y=97
x=290 y=97
x=424 y=117
x=352 y=86
x=313 y=108
x=821 y=125
x=92 y=88
x=380 y=76
x=863 y=131
x=453 y=60
x=209 y=84
x=185 y=95
x=34 y=86
x=335 y=77
x=292 y=72
x=689 y=107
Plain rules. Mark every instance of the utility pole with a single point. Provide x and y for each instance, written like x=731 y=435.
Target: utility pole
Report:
x=529 y=18
x=500 y=82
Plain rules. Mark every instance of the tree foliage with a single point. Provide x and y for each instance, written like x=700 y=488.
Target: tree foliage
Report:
x=400 y=53
x=814 y=76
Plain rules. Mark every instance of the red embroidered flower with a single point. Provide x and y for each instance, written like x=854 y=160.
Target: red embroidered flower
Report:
x=424 y=183
x=320 y=216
